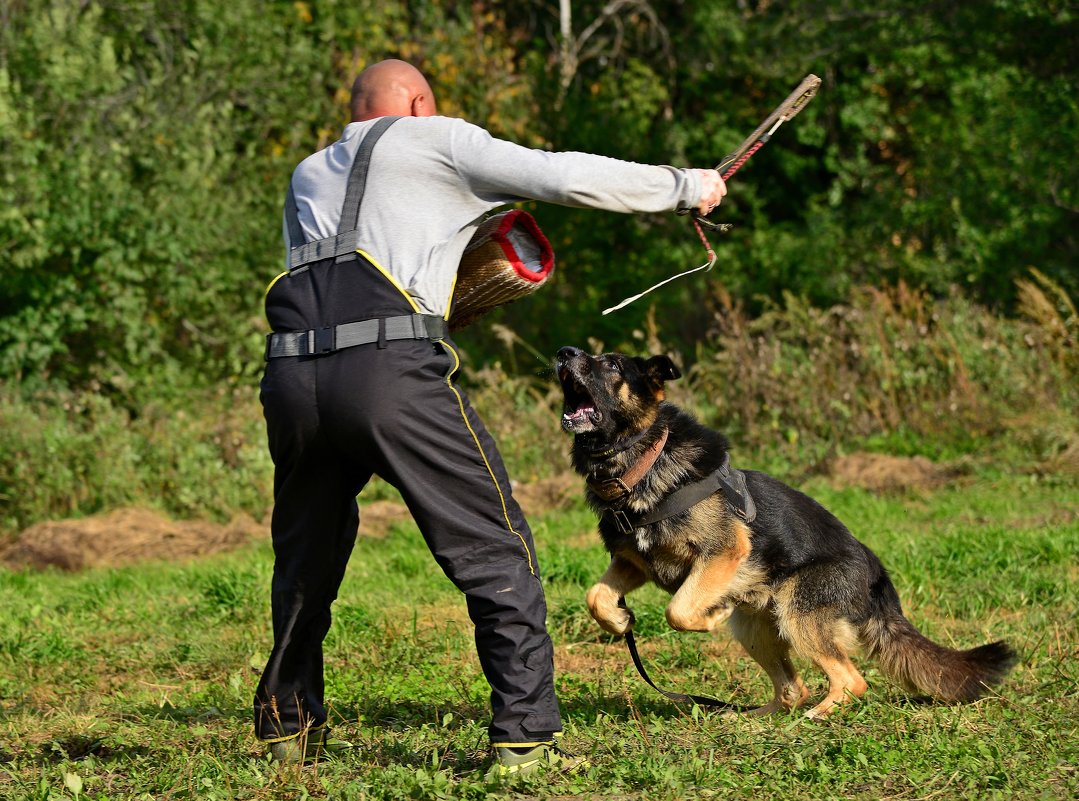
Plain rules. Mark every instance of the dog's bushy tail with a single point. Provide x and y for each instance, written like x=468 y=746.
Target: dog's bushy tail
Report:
x=917 y=663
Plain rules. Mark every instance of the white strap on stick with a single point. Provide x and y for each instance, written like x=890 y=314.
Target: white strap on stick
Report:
x=706 y=266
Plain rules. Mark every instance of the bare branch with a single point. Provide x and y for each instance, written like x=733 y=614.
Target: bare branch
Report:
x=588 y=45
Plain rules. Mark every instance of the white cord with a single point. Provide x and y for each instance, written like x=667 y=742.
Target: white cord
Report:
x=707 y=266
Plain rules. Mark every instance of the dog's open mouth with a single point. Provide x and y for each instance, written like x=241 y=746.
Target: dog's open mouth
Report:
x=579 y=413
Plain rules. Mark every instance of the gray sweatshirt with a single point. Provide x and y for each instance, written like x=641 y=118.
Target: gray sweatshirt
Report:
x=433 y=179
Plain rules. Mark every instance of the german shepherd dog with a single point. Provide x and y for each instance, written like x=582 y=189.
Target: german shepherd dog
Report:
x=790 y=577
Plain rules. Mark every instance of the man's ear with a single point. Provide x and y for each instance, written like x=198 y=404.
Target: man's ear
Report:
x=423 y=105
x=661 y=368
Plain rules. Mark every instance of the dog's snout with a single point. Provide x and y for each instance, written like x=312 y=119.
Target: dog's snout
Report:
x=567 y=353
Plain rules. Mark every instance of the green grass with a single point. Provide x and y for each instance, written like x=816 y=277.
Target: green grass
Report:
x=136 y=683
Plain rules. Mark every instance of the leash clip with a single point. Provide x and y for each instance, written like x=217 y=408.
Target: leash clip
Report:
x=719 y=228
x=621 y=519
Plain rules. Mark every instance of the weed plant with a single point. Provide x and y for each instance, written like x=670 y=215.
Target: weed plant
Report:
x=897 y=367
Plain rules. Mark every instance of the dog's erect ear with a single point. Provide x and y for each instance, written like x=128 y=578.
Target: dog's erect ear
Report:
x=661 y=368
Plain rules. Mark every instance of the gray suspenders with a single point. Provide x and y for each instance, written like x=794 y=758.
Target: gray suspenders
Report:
x=342 y=247
x=303 y=254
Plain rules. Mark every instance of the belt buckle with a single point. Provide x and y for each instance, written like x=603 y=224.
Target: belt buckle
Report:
x=610 y=489
x=322 y=340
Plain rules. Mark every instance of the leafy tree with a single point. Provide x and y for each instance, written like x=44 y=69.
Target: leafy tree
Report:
x=146 y=146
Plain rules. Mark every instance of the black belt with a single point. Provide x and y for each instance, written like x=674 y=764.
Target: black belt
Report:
x=320 y=341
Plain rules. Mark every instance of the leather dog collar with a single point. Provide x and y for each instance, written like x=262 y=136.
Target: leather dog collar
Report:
x=622 y=445
x=612 y=490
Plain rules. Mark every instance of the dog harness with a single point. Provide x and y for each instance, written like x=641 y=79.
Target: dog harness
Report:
x=730 y=482
x=726 y=480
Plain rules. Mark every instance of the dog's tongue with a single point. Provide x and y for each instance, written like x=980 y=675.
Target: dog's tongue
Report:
x=580 y=412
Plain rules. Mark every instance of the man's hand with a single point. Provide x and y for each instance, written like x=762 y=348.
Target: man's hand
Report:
x=712 y=191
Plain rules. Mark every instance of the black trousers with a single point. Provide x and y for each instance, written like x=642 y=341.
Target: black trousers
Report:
x=394 y=410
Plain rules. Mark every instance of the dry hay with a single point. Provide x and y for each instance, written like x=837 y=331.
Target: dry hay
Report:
x=882 y=473
x=535 y=498
x=547 y=494
x=132 y=535
x=122 y=537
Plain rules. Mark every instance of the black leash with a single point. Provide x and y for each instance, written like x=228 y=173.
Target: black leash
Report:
x=699 y=700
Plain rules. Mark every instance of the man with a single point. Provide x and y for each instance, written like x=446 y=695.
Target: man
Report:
x=361 y=381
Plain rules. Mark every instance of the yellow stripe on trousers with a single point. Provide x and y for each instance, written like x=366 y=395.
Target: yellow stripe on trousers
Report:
x=479 y=447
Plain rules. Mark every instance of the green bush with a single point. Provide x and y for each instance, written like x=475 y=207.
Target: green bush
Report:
x=70 y=454
x=893 y=369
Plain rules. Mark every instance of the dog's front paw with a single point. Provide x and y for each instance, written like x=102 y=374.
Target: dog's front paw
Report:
x=618 y=622
x=681 y=618
x=603 y=604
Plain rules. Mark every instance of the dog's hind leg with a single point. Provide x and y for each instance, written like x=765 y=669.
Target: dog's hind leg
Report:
x=844 y=681
x=827 y=639
x=757 y=632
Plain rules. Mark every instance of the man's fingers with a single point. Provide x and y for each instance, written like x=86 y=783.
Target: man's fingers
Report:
x=713 y=190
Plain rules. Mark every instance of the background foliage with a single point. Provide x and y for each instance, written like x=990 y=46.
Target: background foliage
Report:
x=146 y=146
x=899 y=276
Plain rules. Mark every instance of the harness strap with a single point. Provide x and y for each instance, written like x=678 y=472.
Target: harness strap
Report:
x=340 y=245
x=357 y=177
x=346 y=241
x=320 y=341
x=731 y=482
x=292 y=219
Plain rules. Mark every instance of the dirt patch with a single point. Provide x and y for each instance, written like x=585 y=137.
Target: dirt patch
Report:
x=588 y=659
x=556 y=492
x=878 y=472
x=378 y=517
x=535 y=498
x=131 y=535
x=123 y=537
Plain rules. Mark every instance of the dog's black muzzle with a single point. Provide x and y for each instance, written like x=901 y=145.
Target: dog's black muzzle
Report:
x=580 y=415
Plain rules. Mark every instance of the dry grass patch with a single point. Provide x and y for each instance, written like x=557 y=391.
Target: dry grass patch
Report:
x=124 y=537
x=878 y=472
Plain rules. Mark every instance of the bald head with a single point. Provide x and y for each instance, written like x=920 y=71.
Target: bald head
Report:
x=391 y=88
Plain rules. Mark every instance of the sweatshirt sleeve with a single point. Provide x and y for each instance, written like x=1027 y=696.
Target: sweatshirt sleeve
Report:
x=504 y=172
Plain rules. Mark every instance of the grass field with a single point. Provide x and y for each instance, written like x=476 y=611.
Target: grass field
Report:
x=136 y=683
